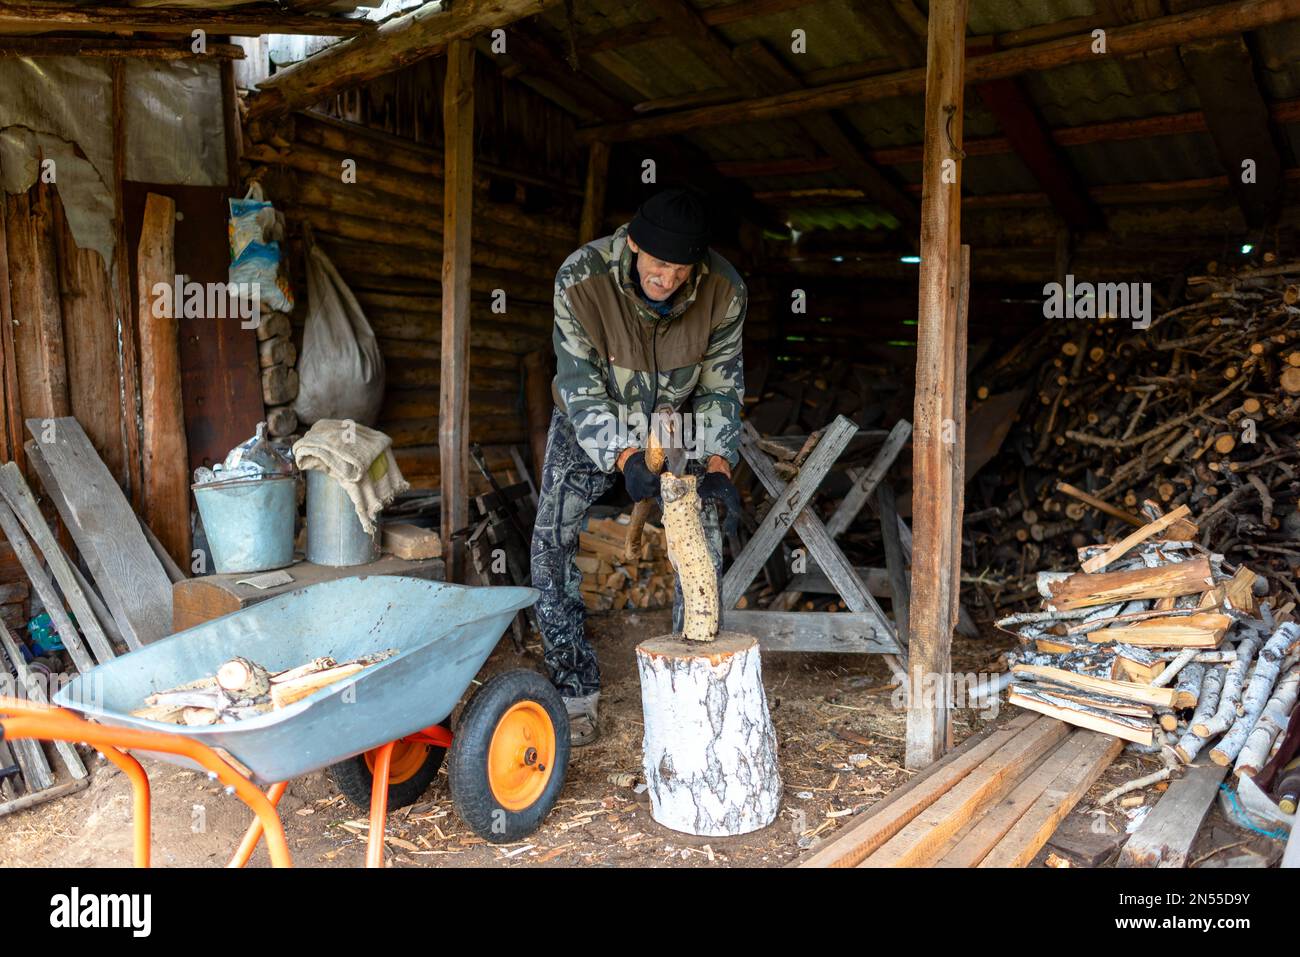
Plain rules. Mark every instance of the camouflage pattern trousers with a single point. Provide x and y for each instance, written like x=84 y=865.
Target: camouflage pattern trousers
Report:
x=571 y=482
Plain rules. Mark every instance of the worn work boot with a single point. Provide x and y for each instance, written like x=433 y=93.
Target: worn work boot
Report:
x=582 y=719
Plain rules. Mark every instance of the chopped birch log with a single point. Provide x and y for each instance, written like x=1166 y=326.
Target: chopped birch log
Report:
x=709 y=751
x=243 y=678
x=1269 y=727
x=1187 y=693
x=689 y=552
x=1190 y=744
x=1257 y=693
x=1175 y=666
x=1231 y=693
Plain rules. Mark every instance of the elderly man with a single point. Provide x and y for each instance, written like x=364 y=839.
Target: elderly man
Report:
x=647 y=317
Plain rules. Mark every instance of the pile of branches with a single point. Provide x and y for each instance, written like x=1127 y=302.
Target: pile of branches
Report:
x=1201 y=408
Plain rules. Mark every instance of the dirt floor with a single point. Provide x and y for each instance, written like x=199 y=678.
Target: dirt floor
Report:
x=840 y=739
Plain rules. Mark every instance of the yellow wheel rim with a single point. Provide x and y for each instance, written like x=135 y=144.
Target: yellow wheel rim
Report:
x=521 y=756
x=408 y=758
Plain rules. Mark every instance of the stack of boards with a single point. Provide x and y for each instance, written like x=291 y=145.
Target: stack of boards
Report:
x=993 y=802
x=609 y=581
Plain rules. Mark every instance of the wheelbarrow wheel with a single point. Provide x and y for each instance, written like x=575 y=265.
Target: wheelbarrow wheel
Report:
x=509 y=756
x=413 y=768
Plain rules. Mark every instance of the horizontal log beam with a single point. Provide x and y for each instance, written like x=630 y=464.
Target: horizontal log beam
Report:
x=1160 y=33
x=106 y=47
x=29 y=17
x=399 y=42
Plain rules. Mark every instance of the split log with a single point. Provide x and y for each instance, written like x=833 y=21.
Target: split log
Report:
x=1121 y=548
x=689 y=552
x=1145 y=694
x=710 y=758
x=1257 y=693
x=1203 y=630
x=285 y=693
x=1172 y=580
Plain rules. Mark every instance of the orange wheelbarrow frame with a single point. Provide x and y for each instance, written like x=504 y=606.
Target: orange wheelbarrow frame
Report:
x=45 y=722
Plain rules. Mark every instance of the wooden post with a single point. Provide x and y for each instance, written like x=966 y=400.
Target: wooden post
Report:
x=936 y=439
x=458 y=199
x=34 y=288
x=593 y=200
x=122 y=279
x=166 y=456
x=538 y=404
x=12 y=446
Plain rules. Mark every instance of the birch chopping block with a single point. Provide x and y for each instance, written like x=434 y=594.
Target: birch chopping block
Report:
x=709 y=750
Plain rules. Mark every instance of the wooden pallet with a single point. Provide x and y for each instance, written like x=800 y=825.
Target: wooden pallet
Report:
x=993 y=802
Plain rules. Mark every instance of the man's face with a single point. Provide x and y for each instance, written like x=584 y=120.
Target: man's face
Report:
x=659 y=279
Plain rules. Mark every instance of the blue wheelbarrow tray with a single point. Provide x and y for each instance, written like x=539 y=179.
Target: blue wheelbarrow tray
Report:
x=443 y=634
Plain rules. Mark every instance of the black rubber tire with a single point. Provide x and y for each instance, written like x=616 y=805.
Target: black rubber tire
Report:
x=354 y=779
x=468 y=772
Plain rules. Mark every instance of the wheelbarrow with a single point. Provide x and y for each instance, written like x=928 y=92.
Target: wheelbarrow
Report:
x=382 y=732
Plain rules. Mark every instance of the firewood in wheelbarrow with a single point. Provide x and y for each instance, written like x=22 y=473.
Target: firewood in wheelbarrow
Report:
x=243 y=678
x=316 y=664
x=287 y=692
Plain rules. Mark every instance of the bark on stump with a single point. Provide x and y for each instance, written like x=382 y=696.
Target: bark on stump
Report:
x=709 y=747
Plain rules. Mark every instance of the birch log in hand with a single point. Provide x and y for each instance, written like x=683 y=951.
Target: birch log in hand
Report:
x=709 y=750
x=689 y=552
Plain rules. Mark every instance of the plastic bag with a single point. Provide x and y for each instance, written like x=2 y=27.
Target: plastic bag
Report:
x=254 y=458
x=340 y=368
x=255 y=231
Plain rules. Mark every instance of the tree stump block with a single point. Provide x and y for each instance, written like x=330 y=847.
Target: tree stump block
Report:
x=709 y=748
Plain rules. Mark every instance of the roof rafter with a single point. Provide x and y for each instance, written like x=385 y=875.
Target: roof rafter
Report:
x=422 y=33
x=1163 y=32
x=30 y=17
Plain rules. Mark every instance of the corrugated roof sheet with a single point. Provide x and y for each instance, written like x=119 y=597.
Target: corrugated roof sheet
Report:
x=843 y=32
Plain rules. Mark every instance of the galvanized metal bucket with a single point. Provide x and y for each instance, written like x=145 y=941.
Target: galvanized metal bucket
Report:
x=334 y=532
x=249 y=522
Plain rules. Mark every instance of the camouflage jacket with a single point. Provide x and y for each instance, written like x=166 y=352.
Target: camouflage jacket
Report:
x=608 y=342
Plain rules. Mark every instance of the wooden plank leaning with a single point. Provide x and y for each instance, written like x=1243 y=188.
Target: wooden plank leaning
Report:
x=106 y=530
x=14 y=490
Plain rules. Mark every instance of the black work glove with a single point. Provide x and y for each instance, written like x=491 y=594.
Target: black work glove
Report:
x=641 y=483
x=716 y=487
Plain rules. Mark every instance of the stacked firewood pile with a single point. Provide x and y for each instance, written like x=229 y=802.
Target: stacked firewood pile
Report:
x=1159 y=641
x=1200 y=409
x=613 y=581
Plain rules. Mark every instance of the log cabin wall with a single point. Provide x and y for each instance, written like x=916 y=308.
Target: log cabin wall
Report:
x=383 y=233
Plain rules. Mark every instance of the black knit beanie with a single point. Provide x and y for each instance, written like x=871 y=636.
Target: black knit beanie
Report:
x=672 y=226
